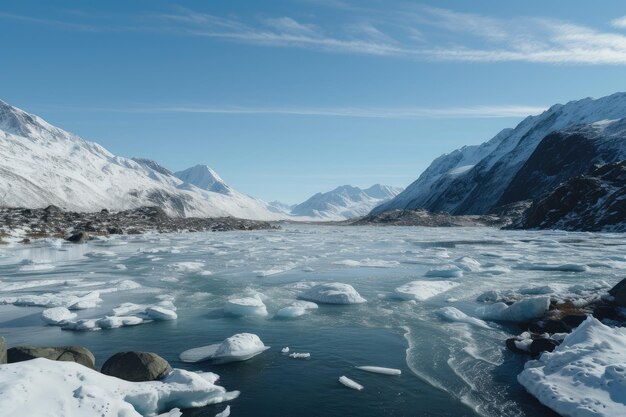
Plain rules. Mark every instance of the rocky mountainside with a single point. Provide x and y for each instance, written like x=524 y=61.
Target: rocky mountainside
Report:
x=41 y=165
x=476 y=180
x=593 y=202
x=344 y=202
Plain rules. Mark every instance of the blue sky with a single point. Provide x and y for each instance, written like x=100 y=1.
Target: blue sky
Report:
x=288 y=98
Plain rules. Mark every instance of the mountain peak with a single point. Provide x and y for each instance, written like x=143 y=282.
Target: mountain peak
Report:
x=202 y=176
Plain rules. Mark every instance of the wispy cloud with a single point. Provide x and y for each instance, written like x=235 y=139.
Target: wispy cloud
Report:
x=355 y=112
x=406 y=31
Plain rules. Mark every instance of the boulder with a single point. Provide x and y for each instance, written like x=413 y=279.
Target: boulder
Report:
x=538 y=346
x=3 y=351
x=80 y=237
x=114 y=230
x=510 y=344
x=76 y=354
x=619 y=293
x=136 y=366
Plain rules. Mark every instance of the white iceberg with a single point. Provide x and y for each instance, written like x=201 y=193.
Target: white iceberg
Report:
x=333 y=293
x=585 y=375
x=455 y=315
x=524 y=310
x=57 y=315
x=246 y=306
x=350 y=383
x=239 y=347
x=423 y=290
x=41 y=387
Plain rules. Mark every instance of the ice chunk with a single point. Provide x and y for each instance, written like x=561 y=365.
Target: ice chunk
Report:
x=545 y=289
x=81 y=325
x=300 y=355
x=379 y=370
x=456 y=315
x=113 y=322
x=468 y=264
x=445 y=271
x=57 y=315
x=41 y=387
x=285 y=349
x=524 y=310
x=246 y=306
x=224 y=413
x=553 y=267
x=585 y=375
x=126 y=309
x=350 y=383
x=296 y=309
x=187 y=267
x=368 y=263
x=239 y=347
x=423 y=290
x=161 y=313
x=333 y=293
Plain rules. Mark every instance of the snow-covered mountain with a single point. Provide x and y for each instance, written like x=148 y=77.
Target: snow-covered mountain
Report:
x=345 y=202
x=41 y=164
x=477 y=179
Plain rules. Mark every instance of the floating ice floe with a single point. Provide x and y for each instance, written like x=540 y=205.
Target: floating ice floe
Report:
x=41 y=387
x=277 y=270
x=456 y=315
x=74 y=300
x=423 y=290
x=585 y=375
x=246 y=306
x=239 y=347
x=300 y=355
x=225 y=413
x=523 y=310
x=544 y=289
x=296 y=309
x=57 y=315
x=368 y=263
x=161 y=313
x=468 y=264
x=333 y=293
x=350 y=383
x=552 y=267
x=379 y=370
x=187 y=267
x=445 y=271
x=285 y=349
x=113 y=322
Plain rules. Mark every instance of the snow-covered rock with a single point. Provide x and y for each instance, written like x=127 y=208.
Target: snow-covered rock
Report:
x=333 y=293
x=239 y=347
x=423 y=290
x=523 y=310
x=41 y=387
x=583 y=377
x=41 y=165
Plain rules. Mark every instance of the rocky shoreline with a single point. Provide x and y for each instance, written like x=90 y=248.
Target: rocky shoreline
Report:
x=52 y=221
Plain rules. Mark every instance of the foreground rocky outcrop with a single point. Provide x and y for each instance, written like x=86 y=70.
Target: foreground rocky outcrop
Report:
x=79 y=227
x=136 y=366
x=428 y=219
x=593 y=202
x=76 y=354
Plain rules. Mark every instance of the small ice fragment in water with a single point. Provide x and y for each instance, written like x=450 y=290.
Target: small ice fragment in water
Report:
x=333 y=293
x=246 y=306
x=239 y=347
x=285 y=349
x=161 y=313
x=379 y=370
x=350 y=383
x=57 y=315
x=300 y=355
x=224 y=413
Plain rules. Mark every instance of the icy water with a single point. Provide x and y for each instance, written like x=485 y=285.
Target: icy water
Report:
x=448 y=369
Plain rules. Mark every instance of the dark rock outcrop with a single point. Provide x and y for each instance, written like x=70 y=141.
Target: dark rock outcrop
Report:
x=538 y=346
x=76 y=354
x=594 y=202
x=3 y=351
x=136 y=366
x=428 y=219
x=619 y=293
x=80 y=237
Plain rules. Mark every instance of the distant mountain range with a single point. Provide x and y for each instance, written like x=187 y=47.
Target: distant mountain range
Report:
x=41 y=164
x=524 y=163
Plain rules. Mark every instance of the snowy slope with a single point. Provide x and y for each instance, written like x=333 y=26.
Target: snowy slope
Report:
x=472 y=180
x=41 y=164
x=202 y=176
x=345 y=202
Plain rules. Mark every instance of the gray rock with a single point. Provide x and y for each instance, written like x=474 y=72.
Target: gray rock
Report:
x=3 y=351
x=136 y=366
x=76 y=354
x=80 y=237
x=619 y=293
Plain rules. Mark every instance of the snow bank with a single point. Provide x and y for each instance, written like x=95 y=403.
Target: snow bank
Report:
x=246 y=306
x=333 y=293
x=524 y=310
x=239 y=347
x=456 y=315
x=423 y=290
x=41 y=387
x=583 y=377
